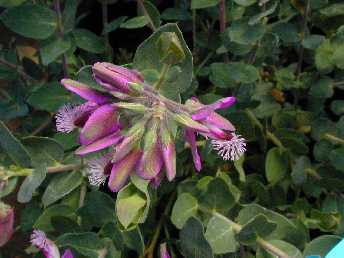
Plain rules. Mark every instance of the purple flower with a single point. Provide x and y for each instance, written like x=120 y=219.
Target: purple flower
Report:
x=115 y=78
x=163 y=251
x=168 y=150
x=47 y=246
x=190 y=137
x=6 y=223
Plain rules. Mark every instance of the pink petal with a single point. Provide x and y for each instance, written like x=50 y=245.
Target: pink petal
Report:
x=206 y=110
x=84 y=91
x=101 y=123
x=163 y=251
x=219 y=121
x=169 y=157
x=191 y=139
x=107 y=141
x=122 y=169
x=6 y=223
x=67 y=254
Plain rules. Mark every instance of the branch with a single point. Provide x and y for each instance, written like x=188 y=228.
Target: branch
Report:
x=63 y=168
x=223 y=22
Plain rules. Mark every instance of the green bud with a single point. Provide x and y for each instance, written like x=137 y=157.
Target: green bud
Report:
x=170 y=49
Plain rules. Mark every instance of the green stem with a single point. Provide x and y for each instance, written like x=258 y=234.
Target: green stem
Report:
x=334 y=138
x=150 y=21
x=164 y=71
x=274 y=139
x=260 y=241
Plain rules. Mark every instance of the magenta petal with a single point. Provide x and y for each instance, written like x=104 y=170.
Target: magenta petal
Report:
x=206 y=110
x=101 y=123
x=132 y=75
x=67 y=254
x=122 y=169
x=169 y=157
x=219 y=121
x=107 y=141
x=163 y=251
x=84 y=91
x=191 y=139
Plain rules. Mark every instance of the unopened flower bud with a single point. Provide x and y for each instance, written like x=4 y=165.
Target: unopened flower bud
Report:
x=6 y=223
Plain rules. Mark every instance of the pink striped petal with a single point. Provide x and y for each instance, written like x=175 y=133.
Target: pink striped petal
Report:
x=122 y=169
x=101 y=123
x=151 y=162
x=84 y=91
x=107 y=141
x=163 y=251
x=219 y=121
x=191 y=139
x=206 y=110
x=67 y=254
x=6 y=223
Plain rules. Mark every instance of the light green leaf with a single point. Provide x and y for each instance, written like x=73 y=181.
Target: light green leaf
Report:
x=32 y=20
x=134 y=23
x=245 y=2
x=31 y=183
x=60 y=186
x=185 y=207
x=200 y=4
x=289 y=249
x=276 y=165
x=220 y=236
x=321 y=245
x=53 y=49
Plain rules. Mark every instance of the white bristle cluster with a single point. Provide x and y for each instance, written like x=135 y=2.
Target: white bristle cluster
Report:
x=231 y=149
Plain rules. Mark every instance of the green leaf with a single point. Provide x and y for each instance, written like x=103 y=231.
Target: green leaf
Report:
x=321 y=245
x=333 y=10
x=13 y=148
x=43 y=150
x=69 y=15
x=285 y=229
x=243 y=73
x=112 y=26
x=88 y=243
x=337 y=106
x=111 y=230
x=337 y=158
x=49 y=97
x=324 y=57
x=322 y=88
x=11 y=3
x=200 y=4
x=258 y=17
x=220 y=75
x=287 y=32
x=220 y=236
x=313 y=41
x=258 y=226
x=134 y=23
x=245 y=2
x=32 y=20
x=89 y=41
x=60 y=186
x=289 y=249
x=142 y=185
x=299 y=170
x=186 y=206
x=242 y=33
x=133 y=239
x=152 y=11
x=53 y=49
x=31 y=183
x=218 y=196
x=130 y=205
x=276 y=165
x=147 y=57
x=193 y=242
x=175 y=14
x=98 y=209
x=59 y=210
x=9 y=187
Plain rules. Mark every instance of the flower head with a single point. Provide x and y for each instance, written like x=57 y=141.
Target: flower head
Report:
x=231 y=149
x=48 y=247
x=98 y=170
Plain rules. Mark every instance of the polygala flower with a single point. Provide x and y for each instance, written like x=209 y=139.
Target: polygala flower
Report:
x=135 y=127
x=6 y=223
x=163 y=251
x=47 y=246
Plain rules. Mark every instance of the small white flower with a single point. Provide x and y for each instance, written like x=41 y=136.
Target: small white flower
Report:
x=231 y=149
x=95 y=170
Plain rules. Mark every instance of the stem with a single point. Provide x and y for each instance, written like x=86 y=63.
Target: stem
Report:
x=301 y=51
x=150 y=250
x=237 y=228
x=18 y=69
x=223 y=22
x=83 y=191
x=63 y=168
x=41 y=127
x=274 y=139
x=164 y=71
x=61 y=35
x=206 y=59
x=106 y=35
x=334 y=138
x=193 y=30
x=142 y=6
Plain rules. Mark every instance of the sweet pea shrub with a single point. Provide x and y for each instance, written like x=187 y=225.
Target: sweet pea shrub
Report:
x=149 y=128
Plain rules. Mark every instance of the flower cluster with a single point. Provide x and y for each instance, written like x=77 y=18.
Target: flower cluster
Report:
x=137 y=126
x=47 y=246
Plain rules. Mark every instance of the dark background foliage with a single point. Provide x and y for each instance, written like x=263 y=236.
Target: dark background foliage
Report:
x=282 y=59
